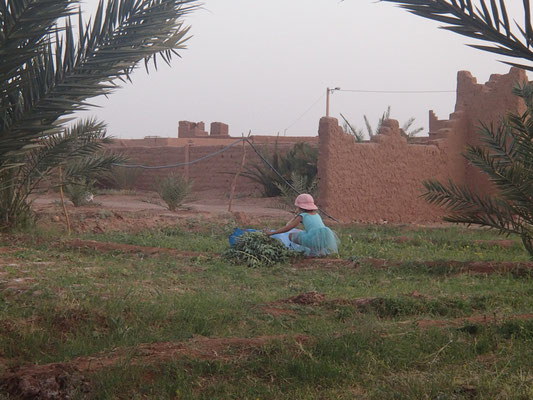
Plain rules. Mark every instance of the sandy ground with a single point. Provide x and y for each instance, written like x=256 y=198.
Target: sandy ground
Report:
x=144 y=210
x=148 y=201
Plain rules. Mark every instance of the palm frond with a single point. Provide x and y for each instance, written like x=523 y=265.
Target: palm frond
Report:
x=513 y=181
x=82 y=144
x=25 y=26
x=356 y=133
x=490 y=24
x=60 y=79
x=468 y=207
x=90 y=166
x=368 y=127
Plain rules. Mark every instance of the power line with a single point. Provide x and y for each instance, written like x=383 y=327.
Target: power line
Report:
x=395 y=91
x=304 y=113
x=182 y=163
x=282 y=177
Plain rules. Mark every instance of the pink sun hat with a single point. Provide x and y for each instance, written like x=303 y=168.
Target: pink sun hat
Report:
x=305 y=201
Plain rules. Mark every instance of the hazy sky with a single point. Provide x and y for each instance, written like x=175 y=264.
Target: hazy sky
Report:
x=260 y=65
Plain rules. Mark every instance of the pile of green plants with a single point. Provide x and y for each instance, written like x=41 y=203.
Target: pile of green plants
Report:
x=255 y=249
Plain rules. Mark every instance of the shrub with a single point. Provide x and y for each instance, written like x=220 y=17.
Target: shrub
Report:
x=173 y=190
x=79 y=193
x=301 y=185
x=255 y=249
x=300 y=159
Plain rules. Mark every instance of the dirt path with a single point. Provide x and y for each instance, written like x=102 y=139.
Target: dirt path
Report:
x=484 y=267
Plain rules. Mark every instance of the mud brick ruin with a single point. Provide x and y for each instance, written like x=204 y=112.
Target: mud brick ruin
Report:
x=372 y=181
x=187 y=129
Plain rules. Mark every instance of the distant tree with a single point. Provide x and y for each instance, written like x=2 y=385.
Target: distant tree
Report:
x=359 y=134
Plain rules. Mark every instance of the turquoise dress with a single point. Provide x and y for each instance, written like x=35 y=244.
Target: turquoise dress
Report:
x=317 y=237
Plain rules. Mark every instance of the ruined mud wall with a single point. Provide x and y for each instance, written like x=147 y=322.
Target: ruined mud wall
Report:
x=381 y=180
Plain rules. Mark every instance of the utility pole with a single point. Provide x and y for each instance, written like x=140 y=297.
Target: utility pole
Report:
x=328 y=92
x=327 y=102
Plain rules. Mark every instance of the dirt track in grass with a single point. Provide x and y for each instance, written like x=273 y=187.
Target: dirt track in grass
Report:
x=473 y=320
x=484 y=267
x=277 y=308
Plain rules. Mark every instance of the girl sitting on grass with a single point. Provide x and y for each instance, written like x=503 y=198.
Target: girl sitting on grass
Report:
x=317 y=237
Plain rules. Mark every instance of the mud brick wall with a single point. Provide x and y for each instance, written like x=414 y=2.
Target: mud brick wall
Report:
x=381 y=180
x=215 y=174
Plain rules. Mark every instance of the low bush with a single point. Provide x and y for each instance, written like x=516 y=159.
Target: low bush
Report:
x=173 y=190
x=301 y=160
x=79 y=193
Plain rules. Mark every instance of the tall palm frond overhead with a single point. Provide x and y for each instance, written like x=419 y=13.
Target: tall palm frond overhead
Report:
x=476 y=19
x=49 y=69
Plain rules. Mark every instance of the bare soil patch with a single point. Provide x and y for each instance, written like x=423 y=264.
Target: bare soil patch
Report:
x=80 y=244
x=277 y=312
x=309 y=298
x=16 y=285
x=503 y=243
x=484 y=267
x=48 y=382
x=143 y=210
x=323 y=263
x=5 y=250
x=317 y=299
x=62 y=380
x=476 y=319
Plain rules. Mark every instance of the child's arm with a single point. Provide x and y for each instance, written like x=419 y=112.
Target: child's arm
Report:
x=293 y=223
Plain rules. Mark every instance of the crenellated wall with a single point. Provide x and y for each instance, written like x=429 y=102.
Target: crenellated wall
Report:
x=381 y=180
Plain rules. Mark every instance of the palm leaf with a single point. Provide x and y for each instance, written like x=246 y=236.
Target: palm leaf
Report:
x=123 y=34
x=485 y=24
x=467 y=207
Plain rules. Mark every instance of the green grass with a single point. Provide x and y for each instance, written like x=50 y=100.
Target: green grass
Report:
x=57 y=305
x=426 y=244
